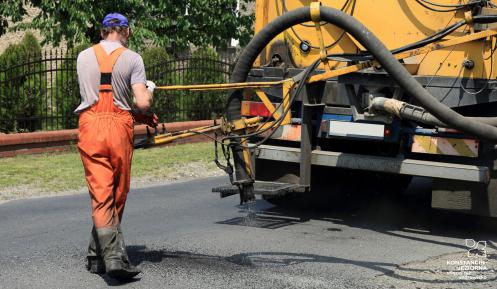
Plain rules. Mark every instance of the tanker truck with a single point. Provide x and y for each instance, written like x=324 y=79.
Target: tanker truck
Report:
x=373 y=92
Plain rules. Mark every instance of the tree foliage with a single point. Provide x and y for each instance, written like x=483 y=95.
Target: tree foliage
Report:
x=12 y=10
x=166 y=23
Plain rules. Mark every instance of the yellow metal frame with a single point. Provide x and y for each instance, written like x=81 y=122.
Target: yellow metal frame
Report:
x=269 y=105
x=287 y=87
x=221 y=86
x=240 y=124
x=170 y=137
x=316 y=18
x=246 y=158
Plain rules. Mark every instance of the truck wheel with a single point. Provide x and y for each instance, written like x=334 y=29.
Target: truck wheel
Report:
x=281 y=201
x=389 y=184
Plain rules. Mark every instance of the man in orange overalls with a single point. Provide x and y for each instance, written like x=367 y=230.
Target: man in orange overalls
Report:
x=109 y=76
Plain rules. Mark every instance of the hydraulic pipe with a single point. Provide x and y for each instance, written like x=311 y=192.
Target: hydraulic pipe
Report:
x=418 y=114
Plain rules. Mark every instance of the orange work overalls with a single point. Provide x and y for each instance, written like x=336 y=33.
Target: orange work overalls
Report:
x=106 y=147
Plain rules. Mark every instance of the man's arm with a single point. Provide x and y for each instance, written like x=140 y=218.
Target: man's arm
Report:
x=143 y=92
x=142 y=89
x=143 y=96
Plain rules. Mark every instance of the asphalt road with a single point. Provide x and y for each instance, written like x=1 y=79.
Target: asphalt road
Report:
x=183 y=236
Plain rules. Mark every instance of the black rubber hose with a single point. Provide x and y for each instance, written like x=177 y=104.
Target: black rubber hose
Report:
x=453 y=5
x=254 y=48
x=431 y=39
x=485 y=19
x=242 y=69
x=375 y=47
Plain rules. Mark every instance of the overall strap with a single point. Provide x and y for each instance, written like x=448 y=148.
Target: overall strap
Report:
x=106 y=64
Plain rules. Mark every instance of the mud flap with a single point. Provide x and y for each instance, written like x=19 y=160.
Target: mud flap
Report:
x=465 y=197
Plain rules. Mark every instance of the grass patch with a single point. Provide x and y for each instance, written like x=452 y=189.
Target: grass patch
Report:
x=64 y=172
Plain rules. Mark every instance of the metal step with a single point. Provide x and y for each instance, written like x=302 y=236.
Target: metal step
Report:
x=260 y=188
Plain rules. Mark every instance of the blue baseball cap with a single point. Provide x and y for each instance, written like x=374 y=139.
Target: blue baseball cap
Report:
x=115 y=19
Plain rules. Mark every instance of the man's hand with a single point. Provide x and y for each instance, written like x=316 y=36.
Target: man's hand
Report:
x=149 y=118
x=150 y=86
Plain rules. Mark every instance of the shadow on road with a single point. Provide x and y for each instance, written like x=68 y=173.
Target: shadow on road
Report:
x=255 y=260
x=114 y=283
x=406 y=215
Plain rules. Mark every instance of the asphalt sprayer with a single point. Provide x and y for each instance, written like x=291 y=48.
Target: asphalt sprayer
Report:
x=383 y=90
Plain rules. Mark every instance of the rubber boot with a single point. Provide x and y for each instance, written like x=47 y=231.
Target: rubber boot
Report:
x=124 y=252
x=114 y=255
x=95 y=262
x=122 y=245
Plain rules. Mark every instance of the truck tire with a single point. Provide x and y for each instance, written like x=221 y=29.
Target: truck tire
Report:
x=280 y=201
x=328 y=185
x=389 y=184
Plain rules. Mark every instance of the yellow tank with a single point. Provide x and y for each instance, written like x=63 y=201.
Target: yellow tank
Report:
x=395 y=22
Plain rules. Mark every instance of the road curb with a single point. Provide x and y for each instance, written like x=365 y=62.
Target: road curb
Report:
x=62 y=140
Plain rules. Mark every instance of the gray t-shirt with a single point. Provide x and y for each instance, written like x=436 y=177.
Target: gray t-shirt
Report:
x=128 y=70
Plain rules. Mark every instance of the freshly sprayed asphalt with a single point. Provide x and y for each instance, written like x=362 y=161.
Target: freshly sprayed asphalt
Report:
x=184 y=236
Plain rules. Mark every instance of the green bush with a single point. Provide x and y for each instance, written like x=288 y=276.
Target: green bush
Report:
x=66 y=97
x=22 y=87
x=161 y=69
x=155 y=56
x=205 y=67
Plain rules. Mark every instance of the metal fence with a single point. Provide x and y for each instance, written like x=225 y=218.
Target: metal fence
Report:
x=40 y=91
